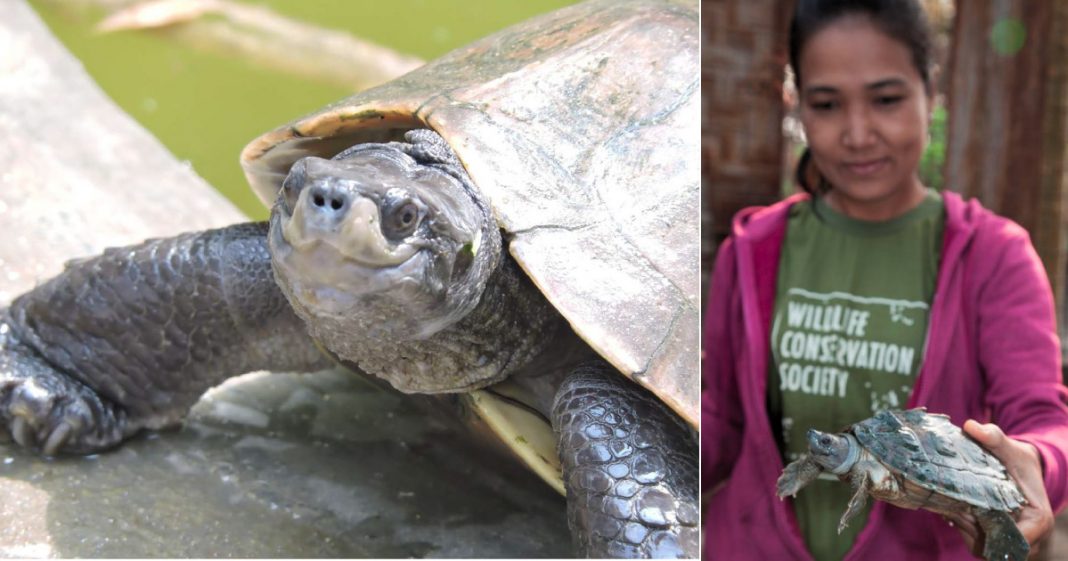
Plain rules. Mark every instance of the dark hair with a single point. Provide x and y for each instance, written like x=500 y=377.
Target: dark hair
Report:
x=902 y=20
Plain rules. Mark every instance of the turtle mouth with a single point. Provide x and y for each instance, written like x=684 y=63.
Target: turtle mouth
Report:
x=333 y=269
x=348 y=226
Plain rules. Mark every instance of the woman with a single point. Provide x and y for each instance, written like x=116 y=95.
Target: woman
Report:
x=870 y=292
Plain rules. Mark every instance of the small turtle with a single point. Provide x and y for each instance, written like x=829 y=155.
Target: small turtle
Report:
x=512 y=226
x=914 y=459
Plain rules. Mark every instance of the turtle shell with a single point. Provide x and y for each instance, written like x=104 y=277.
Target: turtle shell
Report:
x=932 y=452
x=581 y=127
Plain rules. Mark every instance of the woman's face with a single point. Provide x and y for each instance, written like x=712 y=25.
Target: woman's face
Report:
x=865 y=111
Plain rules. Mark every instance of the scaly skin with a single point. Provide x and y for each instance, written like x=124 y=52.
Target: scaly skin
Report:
x=132 y=338
x=630 y=468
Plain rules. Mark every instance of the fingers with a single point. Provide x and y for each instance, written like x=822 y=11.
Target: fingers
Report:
x=1013 y=453
x=1035 y=522
x=989 y=435
x=1021 y=459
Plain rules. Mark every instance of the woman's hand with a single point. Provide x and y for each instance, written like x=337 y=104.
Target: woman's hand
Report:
x=1021 y=459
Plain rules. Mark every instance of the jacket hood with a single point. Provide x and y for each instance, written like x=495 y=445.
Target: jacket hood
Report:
x=758 y=222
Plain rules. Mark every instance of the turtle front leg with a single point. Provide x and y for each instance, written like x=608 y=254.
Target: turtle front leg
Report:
x=1004 y=542
x=861 y=483
x=130 y=339
x=796 y=476
x=630 y=468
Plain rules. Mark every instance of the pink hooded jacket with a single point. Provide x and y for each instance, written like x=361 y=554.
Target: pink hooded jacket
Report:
x=992 y=355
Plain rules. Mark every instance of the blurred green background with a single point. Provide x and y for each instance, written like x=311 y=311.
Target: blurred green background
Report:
x=205 y=107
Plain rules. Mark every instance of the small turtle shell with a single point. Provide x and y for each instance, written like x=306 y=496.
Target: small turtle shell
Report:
x=933 y=453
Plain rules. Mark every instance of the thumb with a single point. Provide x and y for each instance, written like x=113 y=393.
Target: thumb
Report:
x=989 y=435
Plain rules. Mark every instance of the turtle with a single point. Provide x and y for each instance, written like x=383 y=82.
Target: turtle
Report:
x=915 y=459
x=512 y=228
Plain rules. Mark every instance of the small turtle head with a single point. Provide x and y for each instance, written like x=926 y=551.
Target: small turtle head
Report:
x=834 y=453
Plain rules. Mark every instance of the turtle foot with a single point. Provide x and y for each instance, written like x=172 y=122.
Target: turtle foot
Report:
x=630 y=468
x=1004 y=542
x=795 y=476
x=45 y=410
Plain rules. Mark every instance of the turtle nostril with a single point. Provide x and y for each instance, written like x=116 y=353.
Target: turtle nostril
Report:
x=329 y=200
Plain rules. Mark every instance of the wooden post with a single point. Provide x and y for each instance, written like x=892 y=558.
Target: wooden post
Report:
x=743 y=57
x=1008 y=118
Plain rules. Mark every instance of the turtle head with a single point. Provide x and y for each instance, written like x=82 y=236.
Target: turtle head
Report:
x=382 y=242
x=833 y=452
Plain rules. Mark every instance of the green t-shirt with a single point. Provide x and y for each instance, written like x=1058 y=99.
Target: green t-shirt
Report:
x=848 y=336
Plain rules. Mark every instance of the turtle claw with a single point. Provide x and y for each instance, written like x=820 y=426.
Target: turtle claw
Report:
x=21 y=432
x=77 y=422
x=46 y=410
x=58 y=438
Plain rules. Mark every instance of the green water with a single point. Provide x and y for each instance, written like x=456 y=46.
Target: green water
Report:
x=205 y=108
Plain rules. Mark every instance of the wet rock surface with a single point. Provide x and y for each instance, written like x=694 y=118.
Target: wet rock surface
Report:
x=284 y=465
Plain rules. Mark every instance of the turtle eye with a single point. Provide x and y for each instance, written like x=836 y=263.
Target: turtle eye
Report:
x=401 y=220
x=826 y=441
